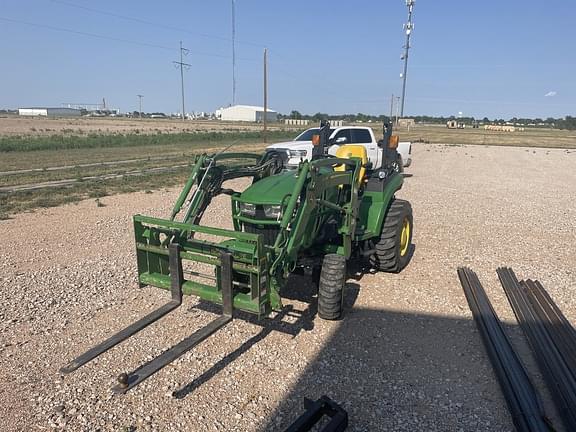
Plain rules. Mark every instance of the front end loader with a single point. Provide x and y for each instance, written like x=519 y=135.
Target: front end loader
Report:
x=329 y=211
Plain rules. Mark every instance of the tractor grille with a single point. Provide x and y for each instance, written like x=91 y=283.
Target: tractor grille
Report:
x=270 y=232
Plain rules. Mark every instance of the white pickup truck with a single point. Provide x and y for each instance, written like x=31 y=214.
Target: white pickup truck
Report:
x=301 y=147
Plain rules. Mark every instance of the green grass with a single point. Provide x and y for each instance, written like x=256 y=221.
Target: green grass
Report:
x=91 y=141
x=17 y=202
x=170 y=150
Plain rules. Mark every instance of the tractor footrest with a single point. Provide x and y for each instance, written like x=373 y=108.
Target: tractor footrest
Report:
x=315 y=411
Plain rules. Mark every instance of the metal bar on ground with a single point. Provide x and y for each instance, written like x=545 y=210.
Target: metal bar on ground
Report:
x=563 y=333
x=176 y=294
x=557 y=375
x=521 y=396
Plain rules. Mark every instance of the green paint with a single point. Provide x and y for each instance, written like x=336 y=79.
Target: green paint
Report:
x=311 y=198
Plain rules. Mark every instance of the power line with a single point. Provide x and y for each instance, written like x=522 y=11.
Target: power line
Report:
x=146 y=22
x=82 y=33
x=233 y=53
x=115 y=39
x=182 y=65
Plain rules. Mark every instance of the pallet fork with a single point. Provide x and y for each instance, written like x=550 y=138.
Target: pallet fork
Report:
x=129 y=381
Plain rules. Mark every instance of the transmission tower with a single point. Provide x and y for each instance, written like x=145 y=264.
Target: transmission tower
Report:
x=408 y=27
x=182 y=65
x=140 y=100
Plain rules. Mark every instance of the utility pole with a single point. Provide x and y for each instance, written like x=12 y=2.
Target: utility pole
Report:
x=265 y=91
x=182 y=65
x=408 y=27
x=140 y=100
x=391 y=106
x=233 y=53
x=397 y=109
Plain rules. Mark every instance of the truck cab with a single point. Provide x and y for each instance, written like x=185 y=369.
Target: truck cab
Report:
x=301 y=147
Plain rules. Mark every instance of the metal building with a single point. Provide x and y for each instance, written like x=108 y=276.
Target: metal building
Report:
x=50 y=112
x=246 y=113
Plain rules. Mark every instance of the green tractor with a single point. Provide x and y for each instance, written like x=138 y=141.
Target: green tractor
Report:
x=317 y=218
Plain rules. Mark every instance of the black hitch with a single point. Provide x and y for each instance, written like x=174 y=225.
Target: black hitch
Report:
x=315 y=411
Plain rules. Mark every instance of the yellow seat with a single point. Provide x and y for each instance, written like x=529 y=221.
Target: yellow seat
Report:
x=350 y=151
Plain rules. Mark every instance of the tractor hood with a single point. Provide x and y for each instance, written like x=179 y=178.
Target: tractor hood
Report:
x=270 y=190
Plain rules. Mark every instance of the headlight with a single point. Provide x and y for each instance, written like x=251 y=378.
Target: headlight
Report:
x=298 y=153
x=248 y=209
x=272 y=211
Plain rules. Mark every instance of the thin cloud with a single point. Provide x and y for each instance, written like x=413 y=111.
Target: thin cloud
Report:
x=550 y=94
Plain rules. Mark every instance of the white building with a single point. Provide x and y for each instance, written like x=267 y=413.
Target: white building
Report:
x=246 y=113
x=49 y=112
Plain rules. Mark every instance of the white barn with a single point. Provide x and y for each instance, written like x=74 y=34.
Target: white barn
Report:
x=247 y=113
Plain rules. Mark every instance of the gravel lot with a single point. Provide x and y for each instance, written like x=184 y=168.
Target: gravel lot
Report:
x=405 y=357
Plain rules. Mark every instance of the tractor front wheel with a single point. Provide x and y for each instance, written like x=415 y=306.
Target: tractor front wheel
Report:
x=393 y=248
x=331 y=287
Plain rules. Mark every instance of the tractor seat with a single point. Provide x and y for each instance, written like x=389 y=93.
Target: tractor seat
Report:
x=352 y=151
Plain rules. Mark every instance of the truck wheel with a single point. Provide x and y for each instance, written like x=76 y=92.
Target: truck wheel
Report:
x=331 y=287
x=393 y=248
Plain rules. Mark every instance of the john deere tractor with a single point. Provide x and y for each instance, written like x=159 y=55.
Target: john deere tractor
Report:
x=319 y=217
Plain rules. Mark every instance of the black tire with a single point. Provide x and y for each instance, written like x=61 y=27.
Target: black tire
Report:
x=393 y=247
x=331 y=287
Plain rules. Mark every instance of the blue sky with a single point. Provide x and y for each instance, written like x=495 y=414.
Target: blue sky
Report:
x=499 y=59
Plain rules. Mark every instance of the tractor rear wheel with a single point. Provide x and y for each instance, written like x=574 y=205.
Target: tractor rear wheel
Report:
x=393 y=248
x=331 y=287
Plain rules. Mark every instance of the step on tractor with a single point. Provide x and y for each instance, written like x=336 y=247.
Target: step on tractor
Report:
x=328 y=212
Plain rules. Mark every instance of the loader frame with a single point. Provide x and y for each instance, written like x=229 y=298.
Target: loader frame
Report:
x=246 y=272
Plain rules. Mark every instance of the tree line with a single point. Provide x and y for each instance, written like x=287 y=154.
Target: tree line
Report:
x=567 y=122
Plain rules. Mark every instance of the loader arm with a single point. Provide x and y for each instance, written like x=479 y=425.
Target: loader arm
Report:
x=303 y=215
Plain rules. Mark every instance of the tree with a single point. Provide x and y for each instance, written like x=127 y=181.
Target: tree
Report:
x=295 y=115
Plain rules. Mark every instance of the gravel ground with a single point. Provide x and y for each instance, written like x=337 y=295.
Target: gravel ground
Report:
x=406 y=356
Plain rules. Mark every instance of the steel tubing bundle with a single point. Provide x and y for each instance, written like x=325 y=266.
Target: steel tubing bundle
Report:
x=521 y=396
x=551 y=338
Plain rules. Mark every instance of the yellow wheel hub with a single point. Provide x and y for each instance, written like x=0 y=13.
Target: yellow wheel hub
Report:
x=405 y=237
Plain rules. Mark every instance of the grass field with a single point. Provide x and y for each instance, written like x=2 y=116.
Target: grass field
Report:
x=75 y=149
x=32 y=158
x=536 y=137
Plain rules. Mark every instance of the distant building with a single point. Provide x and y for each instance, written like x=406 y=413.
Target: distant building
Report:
x=406 y=122
x=50 y=112
x=455 y=124
x=246 y=113
x=297 y=122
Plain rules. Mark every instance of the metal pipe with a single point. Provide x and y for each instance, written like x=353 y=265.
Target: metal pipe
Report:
x=558 y=377
x=521 y=396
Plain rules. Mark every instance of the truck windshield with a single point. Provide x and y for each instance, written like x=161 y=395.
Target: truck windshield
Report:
x=307 y=135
